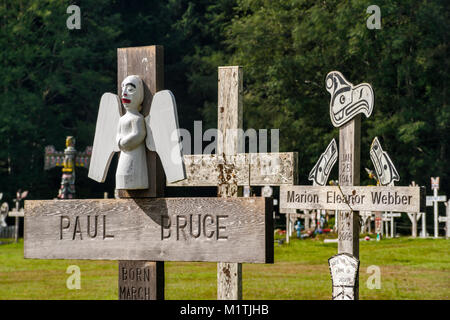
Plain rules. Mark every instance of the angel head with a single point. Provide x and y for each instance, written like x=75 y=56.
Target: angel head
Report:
x=132 y=93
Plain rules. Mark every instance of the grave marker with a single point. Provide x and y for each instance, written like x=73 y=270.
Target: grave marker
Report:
x=344 y=270
x=17 y=213
x=389 y=217
x=347 y=102
x=142 y=229
x=68 y=159
x=378 y=224
x=433 y=201
x=414 y=217
x=4 y=210
x=228 y=170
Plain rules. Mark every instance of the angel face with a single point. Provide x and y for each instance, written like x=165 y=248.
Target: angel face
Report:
x=132 y=93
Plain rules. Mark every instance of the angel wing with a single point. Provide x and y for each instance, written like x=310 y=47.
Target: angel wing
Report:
x=163 y=136
x=105 y=143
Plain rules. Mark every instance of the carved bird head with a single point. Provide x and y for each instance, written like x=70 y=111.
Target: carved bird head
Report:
x=347 y=100
x=384 y=167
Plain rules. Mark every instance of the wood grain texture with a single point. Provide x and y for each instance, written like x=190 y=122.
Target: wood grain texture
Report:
x=352 y=198
x=229 y=120
x=349 y=175
x=141 y=280
x=148 y=63
x=230 y=109
x=232 y=230
x=349 y=168
x=255 y=169
x=413 y=218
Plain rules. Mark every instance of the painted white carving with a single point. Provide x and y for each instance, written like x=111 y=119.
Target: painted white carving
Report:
x=347 y=100
x=344 y=272
x=320 y=172
x=130 y=133
x=383 y=164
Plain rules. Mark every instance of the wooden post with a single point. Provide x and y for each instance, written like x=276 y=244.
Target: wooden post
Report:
x=230 y=110
x=392 y=226
x=424 y=224
x=349 y=175
x=287 y=227
x=436 y=214
x=413 y=217
x=447 y=222
x=148 y=63
x=16 y=224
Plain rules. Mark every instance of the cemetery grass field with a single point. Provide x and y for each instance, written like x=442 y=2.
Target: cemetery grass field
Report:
x=410 y=269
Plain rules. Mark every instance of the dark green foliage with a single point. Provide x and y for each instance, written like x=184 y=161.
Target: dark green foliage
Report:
x=52 y=78
x=288 y=47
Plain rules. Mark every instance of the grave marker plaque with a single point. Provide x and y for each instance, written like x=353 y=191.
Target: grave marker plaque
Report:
x=344 y=270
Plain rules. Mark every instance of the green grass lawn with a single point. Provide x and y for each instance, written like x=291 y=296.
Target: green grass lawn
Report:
x=410 y=269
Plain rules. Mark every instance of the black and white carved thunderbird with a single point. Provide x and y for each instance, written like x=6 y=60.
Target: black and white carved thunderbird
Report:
x=384 y=167
x=347 y=100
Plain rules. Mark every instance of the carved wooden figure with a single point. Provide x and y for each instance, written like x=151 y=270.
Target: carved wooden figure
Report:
x=383 y=164
x=320 y=172
x=131 y=133
x=347 y=100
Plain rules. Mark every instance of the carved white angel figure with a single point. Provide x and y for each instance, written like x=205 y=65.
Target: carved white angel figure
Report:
x=131 y=133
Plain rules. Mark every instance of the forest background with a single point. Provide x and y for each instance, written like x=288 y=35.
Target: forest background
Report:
x=52 y=78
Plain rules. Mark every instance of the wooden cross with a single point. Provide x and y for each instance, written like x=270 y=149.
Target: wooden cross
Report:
x=228 y=169
x=446 y=219
x=16 y=213
x=433 y=201
x=366 y=217
x=143 y=229
x=346 y=105
x=389 y=217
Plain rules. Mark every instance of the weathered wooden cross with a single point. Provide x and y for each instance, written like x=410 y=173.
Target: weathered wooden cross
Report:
x=433 y=201
x=346 y=105
x=229 y=169
x=143 y=229
x=17 y=213
x=388 y=217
